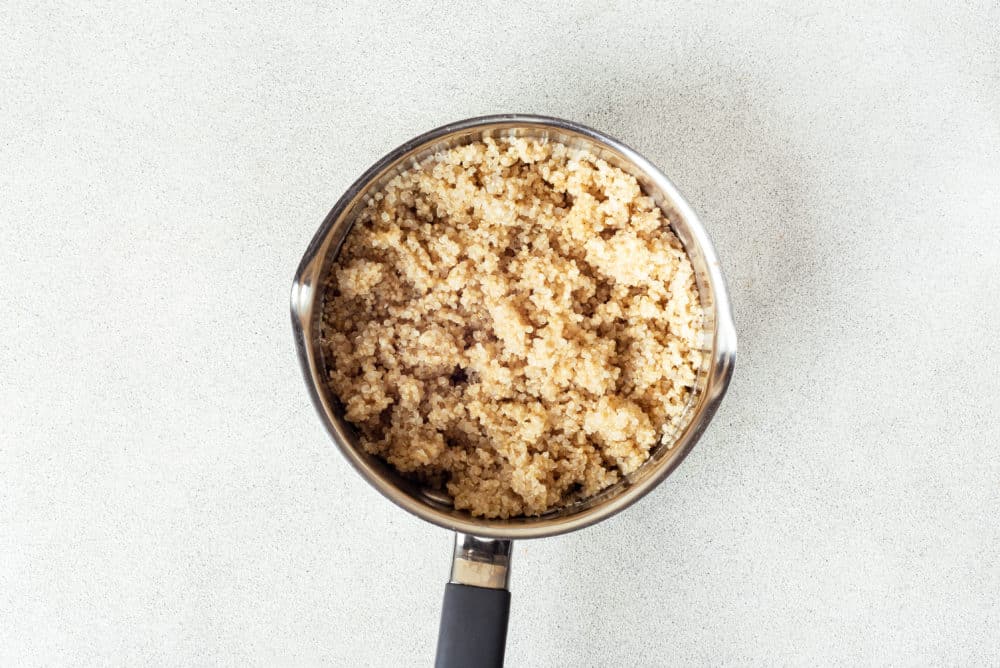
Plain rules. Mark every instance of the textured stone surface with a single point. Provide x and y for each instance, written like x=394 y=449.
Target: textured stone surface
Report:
x=167 y=496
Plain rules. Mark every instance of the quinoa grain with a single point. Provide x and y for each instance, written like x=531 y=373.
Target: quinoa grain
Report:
x=513 y=322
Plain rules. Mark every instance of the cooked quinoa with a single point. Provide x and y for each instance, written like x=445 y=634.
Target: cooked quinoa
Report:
x=513 y=322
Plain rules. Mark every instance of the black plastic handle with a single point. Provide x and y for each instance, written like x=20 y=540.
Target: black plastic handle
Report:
x=473 y=630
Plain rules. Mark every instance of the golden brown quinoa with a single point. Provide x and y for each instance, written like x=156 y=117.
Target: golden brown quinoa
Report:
x=515 y=323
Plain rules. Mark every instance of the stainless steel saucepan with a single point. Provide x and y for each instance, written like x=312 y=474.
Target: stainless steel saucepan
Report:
x=476 y=604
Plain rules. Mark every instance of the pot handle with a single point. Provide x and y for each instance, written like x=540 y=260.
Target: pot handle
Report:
x=476 y=605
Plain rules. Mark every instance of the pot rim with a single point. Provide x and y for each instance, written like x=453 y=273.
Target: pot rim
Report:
x=306 y=293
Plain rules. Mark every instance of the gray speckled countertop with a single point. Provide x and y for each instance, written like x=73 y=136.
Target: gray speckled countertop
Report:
x=167 y=496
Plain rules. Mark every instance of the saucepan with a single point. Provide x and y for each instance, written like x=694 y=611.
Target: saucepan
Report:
x=477 y=601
